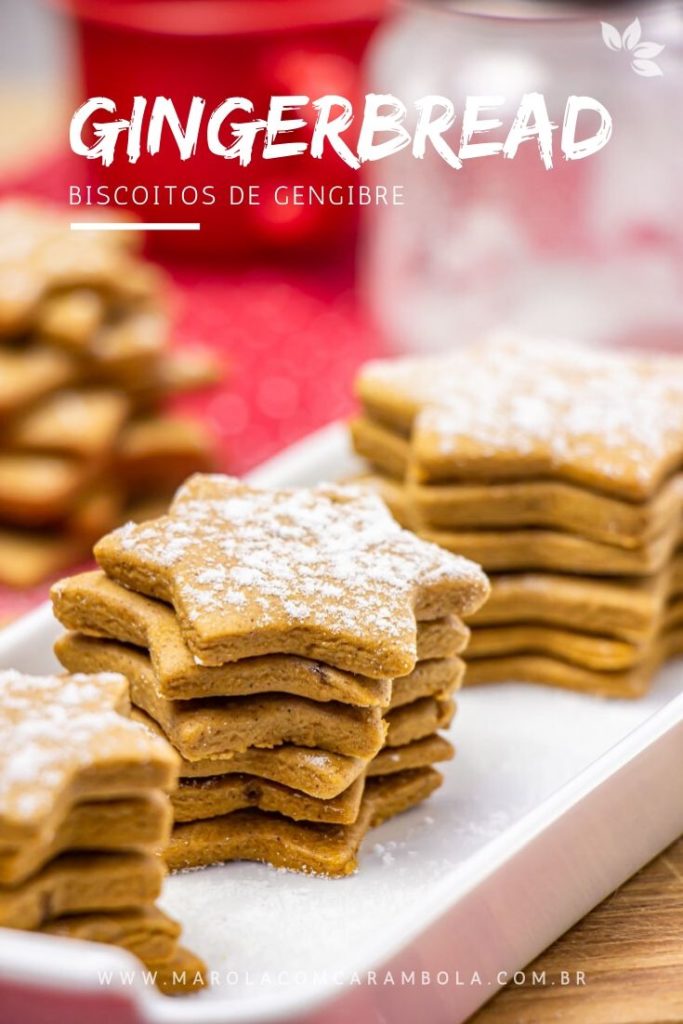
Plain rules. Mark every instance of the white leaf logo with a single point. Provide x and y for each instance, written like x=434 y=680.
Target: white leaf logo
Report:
x=647 y=50
x=646 y=68
x=641 y=53
x=611 y=36
x=632 y=34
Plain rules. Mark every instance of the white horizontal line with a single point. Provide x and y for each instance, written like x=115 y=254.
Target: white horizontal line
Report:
x=86 y=225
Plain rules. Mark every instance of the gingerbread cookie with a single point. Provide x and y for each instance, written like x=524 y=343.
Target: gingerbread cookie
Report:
x=316 y=772
x=84 y=815
x=227 y=552
x=77 y=744
x=594 y=652
x=545 y=504
x=508 y=550
x=41 y=257
x=382 y=447
x=161 y=451
x=149 y=935
x=216 y=795
x=142 y=824
x=90 y=603
x=416 y=754
x=555 y=463
x=282 y=640
x=588 y=650
x=78 y=883
x=538 y=668
x=29 y=373
x=514 y=409
x=72 y=318
x=223 y=794
x=626 y=609
x=418 y=719
x=299 y=846
x=39 y=489
x=218 y=726
x=82 y=424
x=85 y=329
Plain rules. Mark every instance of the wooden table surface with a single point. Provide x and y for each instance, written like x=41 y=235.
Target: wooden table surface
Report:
x=631 y=950
x=631 y=946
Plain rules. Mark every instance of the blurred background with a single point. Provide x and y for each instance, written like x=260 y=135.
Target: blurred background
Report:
x=592 y=248
x=289 y=301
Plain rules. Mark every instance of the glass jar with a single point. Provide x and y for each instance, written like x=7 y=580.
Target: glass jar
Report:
x=592 y=248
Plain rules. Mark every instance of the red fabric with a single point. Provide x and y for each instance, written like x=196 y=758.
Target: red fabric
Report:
x=291 y=340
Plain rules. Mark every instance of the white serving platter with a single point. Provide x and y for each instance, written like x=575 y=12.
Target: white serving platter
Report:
x=553 y=800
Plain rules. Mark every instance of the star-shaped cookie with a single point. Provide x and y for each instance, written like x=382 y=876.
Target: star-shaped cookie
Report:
x=64 y=738
x=514 y=409
x=324 y=572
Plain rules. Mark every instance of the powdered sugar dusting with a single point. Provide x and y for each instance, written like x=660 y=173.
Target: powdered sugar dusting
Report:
x=53 y=726
x=330 y=556
x=620 y=414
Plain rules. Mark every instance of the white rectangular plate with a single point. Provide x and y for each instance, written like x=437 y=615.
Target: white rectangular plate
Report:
x=553 y=800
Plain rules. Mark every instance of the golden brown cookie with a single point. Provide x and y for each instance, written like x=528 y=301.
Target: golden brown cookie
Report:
x=78 y=883
x=549 y=504
x=385 y=449
x=546 y=504
x=298 y=846
x=223 y=794
x=147 y=932
x=40 y=256
x=212 y=727
x=393 y=493
x=28 y=374
x=417 y=720
x=84 y=326
x=509 y=408
x=97 y=509
x=93 y=604
x=28 y=556
x=130 y=349
x=40 y=489
x=515 y=550
x=182 y=975
x=429 y=678
x=319 y=773
x=83 y=424
x=161 y=451
x=71 y=318
x=417 y=754
x=177 y=373
x=441 y=638
x=327 y=571
x=594 y=652
x=140 y=824
x=628 y=609
x=309 y=769
x=602 y=653
x=552 y=671
x=64 y=740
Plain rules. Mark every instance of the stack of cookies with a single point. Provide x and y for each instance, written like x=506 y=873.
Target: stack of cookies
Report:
x=84 y=372
x=84 y=817
x=300 y=651
x=558 y=468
